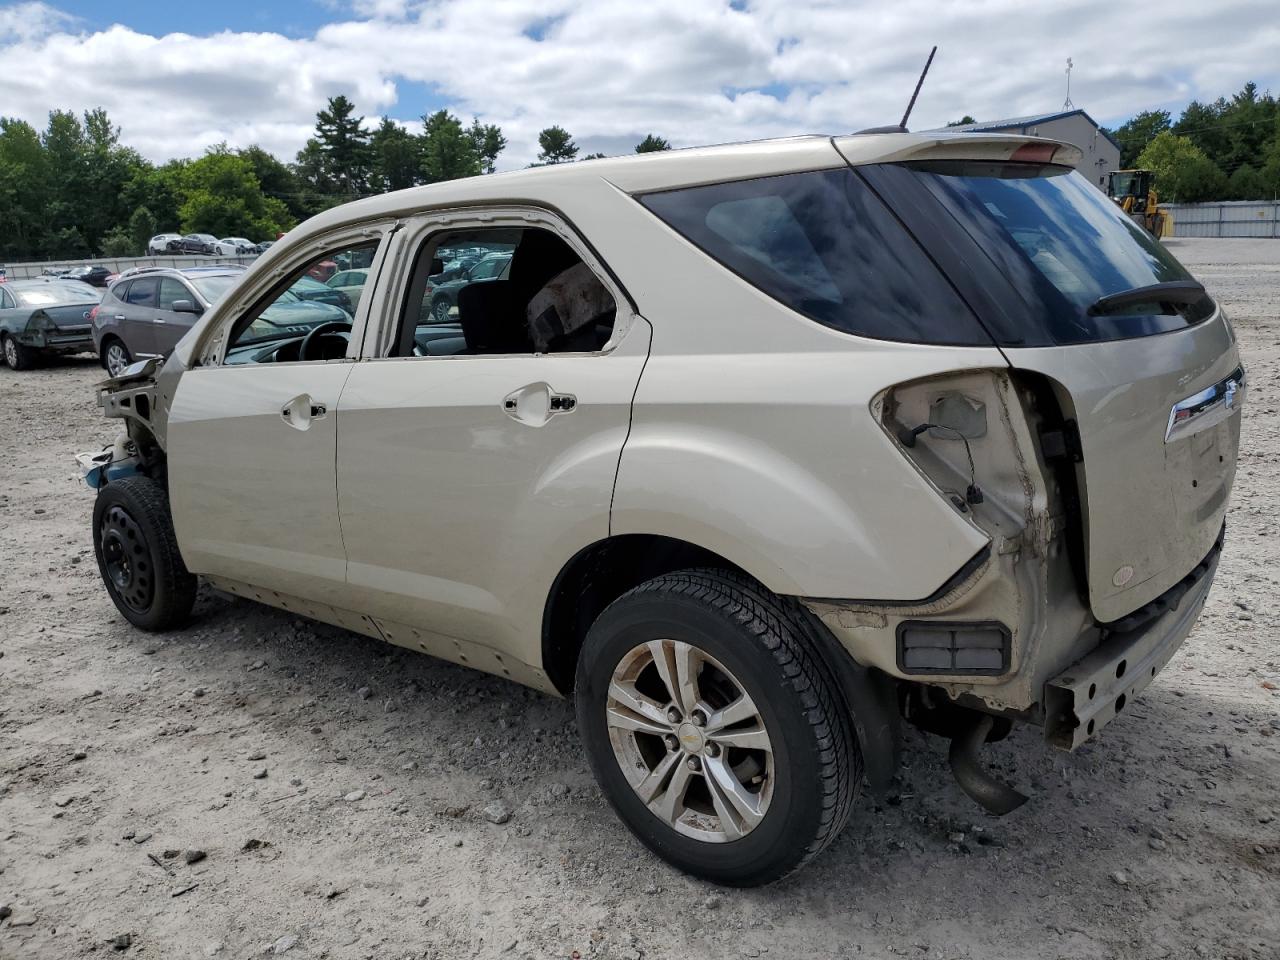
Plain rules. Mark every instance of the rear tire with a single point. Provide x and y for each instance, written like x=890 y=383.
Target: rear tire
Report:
x=115 y=356
x=794 y=762
x=138 y=556
x=16 y=356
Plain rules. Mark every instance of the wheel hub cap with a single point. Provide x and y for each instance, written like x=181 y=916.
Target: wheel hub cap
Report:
x=690 y=741
x=126 y=560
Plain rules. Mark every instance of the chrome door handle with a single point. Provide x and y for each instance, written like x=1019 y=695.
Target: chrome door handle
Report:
x=120 y=316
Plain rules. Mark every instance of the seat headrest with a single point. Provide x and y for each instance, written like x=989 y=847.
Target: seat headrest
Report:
x=491 y=321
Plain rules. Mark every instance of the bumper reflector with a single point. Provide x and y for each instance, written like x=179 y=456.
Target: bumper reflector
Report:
x=931 y=646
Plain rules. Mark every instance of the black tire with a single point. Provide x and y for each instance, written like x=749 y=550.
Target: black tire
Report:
x=16 y=355
x=107 y=344
x=764 y=642
x=138 y=556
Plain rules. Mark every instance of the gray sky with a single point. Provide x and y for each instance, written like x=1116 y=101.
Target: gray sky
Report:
x=178 y=77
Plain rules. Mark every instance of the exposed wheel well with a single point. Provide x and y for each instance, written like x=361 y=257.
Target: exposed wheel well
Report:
x=597 y=576
x=107 y=340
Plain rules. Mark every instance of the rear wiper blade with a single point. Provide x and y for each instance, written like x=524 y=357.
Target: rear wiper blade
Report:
x=1171 y=291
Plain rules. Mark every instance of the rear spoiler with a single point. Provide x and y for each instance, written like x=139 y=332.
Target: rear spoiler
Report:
x=902 y=147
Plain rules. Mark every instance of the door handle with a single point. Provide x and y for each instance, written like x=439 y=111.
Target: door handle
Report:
x=536 y=403
x=301 y=410
x=120 y=316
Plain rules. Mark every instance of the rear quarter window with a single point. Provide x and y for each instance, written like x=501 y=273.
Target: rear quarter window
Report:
x=1059 y=243
x=823 y=244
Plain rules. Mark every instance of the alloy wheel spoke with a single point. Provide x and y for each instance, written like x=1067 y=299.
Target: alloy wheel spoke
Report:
x=745 y=738
x=652 y=786
x=743 y=708
x=722 y=780
x=624 y=718
x=670 y=804
x=626 y=694
x=686 y=662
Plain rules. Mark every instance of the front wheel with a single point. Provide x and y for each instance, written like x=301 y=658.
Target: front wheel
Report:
x=440 y=311
x=138 y=556
x=714 y=727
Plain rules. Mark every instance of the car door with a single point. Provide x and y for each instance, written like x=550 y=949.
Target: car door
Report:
x=169 y=326
x=465 y=481
x=135 y=315
x=251 y=439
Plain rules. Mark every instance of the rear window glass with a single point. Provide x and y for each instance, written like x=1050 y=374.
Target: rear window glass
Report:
x=824 y=245
x=1063 y=245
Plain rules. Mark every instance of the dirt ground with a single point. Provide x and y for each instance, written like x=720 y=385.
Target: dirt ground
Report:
x=337 y=787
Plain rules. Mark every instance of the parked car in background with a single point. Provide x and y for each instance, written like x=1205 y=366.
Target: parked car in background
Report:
x=444 y=294
x=44 y=316
x=162 y=243
x=95 y=275
x=265 y=245
x=198 y=243
x=145 y=314
x=236 y=247
x=307 y=288
x=350 y=283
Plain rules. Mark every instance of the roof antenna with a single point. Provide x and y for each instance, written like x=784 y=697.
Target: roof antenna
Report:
x=916 y=92
x=1067 y=104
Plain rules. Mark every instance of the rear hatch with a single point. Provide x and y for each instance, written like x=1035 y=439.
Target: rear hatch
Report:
x=1143 y=362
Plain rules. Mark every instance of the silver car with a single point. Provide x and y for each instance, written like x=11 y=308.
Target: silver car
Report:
x=147 y=311
x=756 y=452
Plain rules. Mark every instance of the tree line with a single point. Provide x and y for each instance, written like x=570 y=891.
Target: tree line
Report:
x=1225 y=150
x=73 y=190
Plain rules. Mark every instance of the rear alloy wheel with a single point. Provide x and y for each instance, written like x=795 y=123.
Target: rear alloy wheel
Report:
x=138 y=555
x=116 y=358
x=16 y=356
x=441 y=311
x=714 y=727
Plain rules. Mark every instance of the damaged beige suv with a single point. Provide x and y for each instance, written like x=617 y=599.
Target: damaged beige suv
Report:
x=754 y=451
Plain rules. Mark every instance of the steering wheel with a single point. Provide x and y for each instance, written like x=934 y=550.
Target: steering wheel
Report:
x=325 y=329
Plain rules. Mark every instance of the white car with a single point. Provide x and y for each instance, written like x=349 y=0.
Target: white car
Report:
x=754 y=451
x=159 y=245
x=235 y=247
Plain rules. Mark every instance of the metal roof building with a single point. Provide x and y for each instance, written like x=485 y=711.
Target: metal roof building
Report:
x=1101 y=151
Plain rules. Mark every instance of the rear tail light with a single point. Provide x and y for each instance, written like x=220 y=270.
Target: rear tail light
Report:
x=93 y=314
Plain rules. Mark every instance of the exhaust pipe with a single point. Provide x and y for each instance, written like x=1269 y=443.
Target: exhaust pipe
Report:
x=991 y=794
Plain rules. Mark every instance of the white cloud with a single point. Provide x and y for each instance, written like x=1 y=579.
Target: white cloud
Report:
x=612 y=70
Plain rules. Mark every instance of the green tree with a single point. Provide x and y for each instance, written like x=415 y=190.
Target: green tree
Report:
x=343 y=147
x=1247 y=183
x=652 y=143
x=117 y=243
x=24 y=192
x=1201 y=123
x=277 y=180
x=397 y=157
x=448 y=150
x=142 y=227
x=488 y=141
x=592 y=156
x=1184 y=173
x=223 y=197
x=966 y=119
x=557 y=146
x=1135 y=133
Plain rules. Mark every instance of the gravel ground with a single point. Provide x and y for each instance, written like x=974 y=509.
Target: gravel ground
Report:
x=256 y=784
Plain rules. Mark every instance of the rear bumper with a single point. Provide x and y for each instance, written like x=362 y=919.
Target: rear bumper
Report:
x=73 y=342
x=1096 y=688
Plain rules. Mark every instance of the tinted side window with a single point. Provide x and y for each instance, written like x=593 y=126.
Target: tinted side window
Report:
x=172 y=290
x=824 y=245
x=141 y=293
